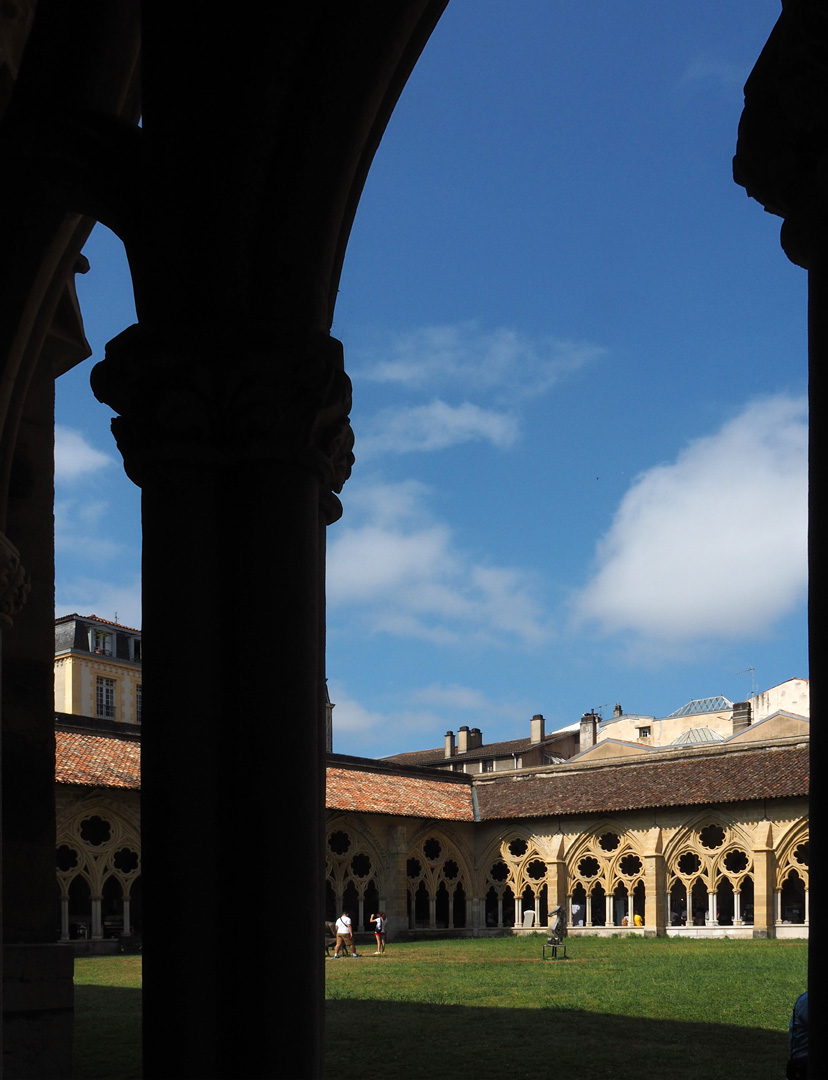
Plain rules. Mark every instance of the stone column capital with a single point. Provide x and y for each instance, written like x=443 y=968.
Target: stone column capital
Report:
x=14 y=582
x=782 y=152
x=206 y=402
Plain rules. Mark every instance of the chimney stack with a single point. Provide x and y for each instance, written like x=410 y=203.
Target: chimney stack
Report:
x=589 y=730
x=536 y=729
x=741 y=716
x=463 y=739
x=449 y=744
x=475 y=738
x=617 y=712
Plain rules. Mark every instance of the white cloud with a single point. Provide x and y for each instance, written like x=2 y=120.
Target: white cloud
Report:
x=458 y=704
x=403 y=573
x=374 y=732
x=91 y=596
x=418 y=717
x=436 y=426
x=713 y=546
x=503 y=360
x=74 y=457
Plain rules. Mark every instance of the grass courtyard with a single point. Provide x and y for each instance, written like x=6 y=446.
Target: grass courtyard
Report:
x=617 y=1009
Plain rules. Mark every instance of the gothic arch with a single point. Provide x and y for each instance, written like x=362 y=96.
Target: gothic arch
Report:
x=605 y=873
x=98 y=844
x=438 y=881
x=355 y=870
x=709 y=872
x=793 y=875
x=515 y=878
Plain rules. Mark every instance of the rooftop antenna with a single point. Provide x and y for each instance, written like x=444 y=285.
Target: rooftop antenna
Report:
x=752 y=671
x=116 y=616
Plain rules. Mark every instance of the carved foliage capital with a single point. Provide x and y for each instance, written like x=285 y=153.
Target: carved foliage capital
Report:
x=199 y=403
x=14 y=582
x=782 y=152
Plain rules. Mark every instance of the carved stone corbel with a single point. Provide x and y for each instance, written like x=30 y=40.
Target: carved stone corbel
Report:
x=782 y=151
x=14 y=582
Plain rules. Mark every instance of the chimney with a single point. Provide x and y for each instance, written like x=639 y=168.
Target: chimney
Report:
x=741 y=716
x=536 y=729
x=475 y=738
x=449 y=744
x=617 y=712
x=463 y=739
x=589 y=730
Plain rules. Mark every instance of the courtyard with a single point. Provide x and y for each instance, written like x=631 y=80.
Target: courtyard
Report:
x=617 y=1008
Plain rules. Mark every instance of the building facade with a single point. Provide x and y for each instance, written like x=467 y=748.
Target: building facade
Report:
x=690 y=840
x=98 y=669
x=98 y=840
x=707 y=840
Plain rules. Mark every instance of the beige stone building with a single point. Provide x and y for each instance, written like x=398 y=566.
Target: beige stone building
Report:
x=97 y=801
x=468 y=753
x=695 y=840
x=691 y=839
x=97 y=669
x=97 y=775
x=700 y=721
x=705 y=719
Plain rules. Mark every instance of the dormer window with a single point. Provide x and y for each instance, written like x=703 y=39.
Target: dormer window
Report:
x=644 y=732
x=103 y=642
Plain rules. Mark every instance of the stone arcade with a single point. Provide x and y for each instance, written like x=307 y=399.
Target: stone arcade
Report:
x=258 y=132
x=697 y=841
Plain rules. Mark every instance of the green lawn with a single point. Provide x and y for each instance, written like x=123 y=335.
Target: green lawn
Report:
x=617 y=1009
x=107 y=1043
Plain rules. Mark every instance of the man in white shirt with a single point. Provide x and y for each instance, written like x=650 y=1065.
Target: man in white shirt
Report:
x=344 y=936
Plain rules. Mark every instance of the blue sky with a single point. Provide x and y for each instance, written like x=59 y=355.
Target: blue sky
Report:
x=579 y=367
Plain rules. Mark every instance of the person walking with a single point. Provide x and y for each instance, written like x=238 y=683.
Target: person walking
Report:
x=344 y=936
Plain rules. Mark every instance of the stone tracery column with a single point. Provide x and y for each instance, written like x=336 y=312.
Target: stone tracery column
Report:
x=64 y=918
x=656 y=913
x=96 y=933
x=764 y=874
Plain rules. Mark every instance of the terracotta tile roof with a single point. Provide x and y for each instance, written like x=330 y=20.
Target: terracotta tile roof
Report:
x=388 y=792
x=97 y=761
x=418 y=757
x=495 y=749
x=771 y=773
x=95 y=618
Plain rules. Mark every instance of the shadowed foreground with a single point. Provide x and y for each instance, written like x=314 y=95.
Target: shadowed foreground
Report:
x=369 y=1040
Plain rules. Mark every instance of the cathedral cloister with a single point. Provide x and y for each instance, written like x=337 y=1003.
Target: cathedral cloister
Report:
x=214 y=141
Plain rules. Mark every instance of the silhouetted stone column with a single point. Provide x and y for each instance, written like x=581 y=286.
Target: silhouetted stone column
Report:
x=235 y=447
x=37 y=972
x=782 y=161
